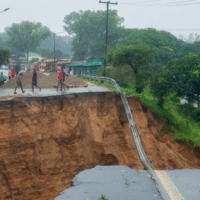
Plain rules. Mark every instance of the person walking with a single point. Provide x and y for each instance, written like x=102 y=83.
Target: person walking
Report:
x=60 y=80
x=19 y=80
x=64 y=76
x=13 y=73
x=9 y=75
x=34 y=81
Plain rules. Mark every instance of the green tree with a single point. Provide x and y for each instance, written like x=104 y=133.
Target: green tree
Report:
x=88 y=28
x=138 y=57
x=34 y=60
x=162 y=40
x=4 y=56
x=159 y=87
x=26 y=36
x=182 y=76
x=183 y=48
x=44 y=52
x=66 y=56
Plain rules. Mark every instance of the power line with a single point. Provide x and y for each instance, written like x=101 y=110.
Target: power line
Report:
x=183 y=29
x=138 y=2
x=155 y=1
x=164 y=4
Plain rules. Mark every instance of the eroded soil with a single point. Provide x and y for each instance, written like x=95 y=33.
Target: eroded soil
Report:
x=166 y=152
x=45 y=142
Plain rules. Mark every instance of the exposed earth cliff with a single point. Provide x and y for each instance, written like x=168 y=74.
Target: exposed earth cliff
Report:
x=45 y=142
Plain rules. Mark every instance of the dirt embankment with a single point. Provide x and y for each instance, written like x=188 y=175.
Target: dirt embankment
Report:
x=166 y=152
x=45 y=142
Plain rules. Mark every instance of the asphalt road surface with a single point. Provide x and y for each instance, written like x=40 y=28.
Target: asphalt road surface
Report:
x=123 y=183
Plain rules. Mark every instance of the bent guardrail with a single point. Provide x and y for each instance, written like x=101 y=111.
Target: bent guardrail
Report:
x=145 y=161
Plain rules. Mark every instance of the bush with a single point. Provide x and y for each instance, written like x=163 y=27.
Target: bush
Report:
x=122 y=73
x=196 y=115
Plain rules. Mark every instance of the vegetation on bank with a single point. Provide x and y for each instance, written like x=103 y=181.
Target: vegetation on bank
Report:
x=183 y=127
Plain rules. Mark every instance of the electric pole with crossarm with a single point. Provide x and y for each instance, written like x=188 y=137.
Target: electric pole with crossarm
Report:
x=108 y=2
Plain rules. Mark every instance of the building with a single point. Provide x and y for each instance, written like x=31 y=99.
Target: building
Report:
x=85 y=68
x=51 y=65
x=33 y=55
x=65 y=63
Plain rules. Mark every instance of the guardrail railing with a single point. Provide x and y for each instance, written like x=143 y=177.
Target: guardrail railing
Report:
x=143 y=157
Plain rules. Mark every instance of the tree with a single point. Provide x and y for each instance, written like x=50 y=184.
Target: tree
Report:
x=4 y=56
x=181 y=37
x=182 y=76
x=34 y=60
x=44 y=52
x=190 y=38
x=159 y=87
x=58 y=54
x=197 y=37
x=183 y=48
x=136 y=56
x=26 y=36
x=162 y=40
x=88 y=29
x=63 y=43
x=66 y=56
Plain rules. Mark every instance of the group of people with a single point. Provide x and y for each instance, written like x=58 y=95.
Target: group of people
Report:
x=19 y=80
x=11 y=74
x=61 y=80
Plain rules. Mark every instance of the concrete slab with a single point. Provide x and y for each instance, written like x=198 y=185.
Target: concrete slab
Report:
x=115 y=182
x=52 y=92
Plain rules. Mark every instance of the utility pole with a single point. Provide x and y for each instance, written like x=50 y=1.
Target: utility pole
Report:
x=54 y=47
x=108 y=2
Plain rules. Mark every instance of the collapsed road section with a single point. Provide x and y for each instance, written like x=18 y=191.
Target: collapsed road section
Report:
x=46 y=141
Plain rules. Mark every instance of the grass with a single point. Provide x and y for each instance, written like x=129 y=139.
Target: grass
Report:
x=103 y=197
x=182 y=127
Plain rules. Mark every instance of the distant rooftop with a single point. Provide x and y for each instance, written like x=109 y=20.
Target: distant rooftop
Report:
x=33 y=54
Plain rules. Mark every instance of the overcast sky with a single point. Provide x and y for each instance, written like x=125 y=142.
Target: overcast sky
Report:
x=158 y=14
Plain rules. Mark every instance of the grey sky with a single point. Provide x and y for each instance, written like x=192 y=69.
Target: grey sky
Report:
x=159 y=14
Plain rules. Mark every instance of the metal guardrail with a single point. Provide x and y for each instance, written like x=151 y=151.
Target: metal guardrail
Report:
x=145 y=161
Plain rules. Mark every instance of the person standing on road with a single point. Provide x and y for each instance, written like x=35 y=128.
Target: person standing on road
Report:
x=34 y=80
x=60 y=80
x=64 y=75
x=9 y=75
x=19 y=81
x=13 y=73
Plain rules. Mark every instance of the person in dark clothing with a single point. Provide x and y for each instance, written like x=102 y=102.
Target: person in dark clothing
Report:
x=64 y=76
x=34 y=80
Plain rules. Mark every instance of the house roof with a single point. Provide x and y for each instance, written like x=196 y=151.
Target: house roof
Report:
x=33 y=54
x=87 y=64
